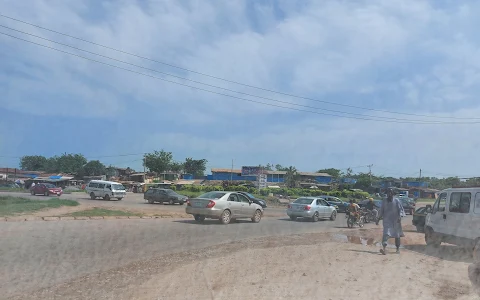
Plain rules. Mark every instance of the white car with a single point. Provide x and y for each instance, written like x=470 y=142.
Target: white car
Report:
x=314 y=208
x=455 y=219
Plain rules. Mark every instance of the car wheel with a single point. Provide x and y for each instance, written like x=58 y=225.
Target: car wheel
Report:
x=431 y=239
x=293 y=218
x=257 y=217
x=107 y=197
x=226 y=217
x=119 y=199
x=199 y=218
x=92 y=196
x=315 y=217
x=170 y=202
x=181 y=203
x=33 y=193
x=47 y=194
x=333 y=216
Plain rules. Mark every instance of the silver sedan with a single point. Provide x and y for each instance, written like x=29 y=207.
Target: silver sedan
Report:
x=311 y=207
x=224 y=206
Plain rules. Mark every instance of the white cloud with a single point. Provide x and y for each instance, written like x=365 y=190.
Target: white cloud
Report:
x=412 y=56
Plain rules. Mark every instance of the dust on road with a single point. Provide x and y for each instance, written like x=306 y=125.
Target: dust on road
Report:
x=307 y=266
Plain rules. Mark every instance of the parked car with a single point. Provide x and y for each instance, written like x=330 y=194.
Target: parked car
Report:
x=105 y=190
x=314 y=208
x=224 y=206
x=260 y=202
x=46 y=189
x=455 y=219
x=419 y=217
x=9 y=185
x=164 y=195
x=408 y=206
x=341 y=206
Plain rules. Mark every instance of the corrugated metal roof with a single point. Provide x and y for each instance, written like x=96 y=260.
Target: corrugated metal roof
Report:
x=314 y=174
x=226 y=171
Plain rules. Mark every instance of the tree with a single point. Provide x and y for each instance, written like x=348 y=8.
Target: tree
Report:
x=335 y=173
x=291 y=177
x=196 y=167
x=33 y=162
x=158 y=161
x=176 y=167
x=92 y=168
x=279 y=167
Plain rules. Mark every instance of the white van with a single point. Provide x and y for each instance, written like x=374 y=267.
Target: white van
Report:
x=455 y=219
x=105 y=189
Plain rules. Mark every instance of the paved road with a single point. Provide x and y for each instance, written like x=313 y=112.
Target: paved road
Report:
x=39 y=254
x=132 y=201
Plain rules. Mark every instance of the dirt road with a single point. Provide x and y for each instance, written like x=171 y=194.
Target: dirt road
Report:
x=39 y=254
x=343 y=265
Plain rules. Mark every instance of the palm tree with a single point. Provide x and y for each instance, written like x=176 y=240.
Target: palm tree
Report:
x=291 y=177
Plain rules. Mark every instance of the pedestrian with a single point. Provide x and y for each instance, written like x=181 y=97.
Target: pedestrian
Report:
x=391 y=212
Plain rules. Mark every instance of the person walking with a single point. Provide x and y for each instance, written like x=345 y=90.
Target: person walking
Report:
x=391 y=212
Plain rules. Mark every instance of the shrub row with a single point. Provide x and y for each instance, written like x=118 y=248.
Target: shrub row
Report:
x=292 y=192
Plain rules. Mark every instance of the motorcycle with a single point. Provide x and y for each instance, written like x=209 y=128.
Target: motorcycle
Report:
x=353 y=220
x=370 y=216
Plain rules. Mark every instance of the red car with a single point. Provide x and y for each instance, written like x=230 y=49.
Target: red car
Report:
x=46 y=189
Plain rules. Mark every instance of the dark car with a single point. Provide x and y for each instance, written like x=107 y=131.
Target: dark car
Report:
x=46 y=189
x=342 y=205
x=408 y=206
x=376 y=203
x=153 y=195
x=260 y=202
x=419 y=217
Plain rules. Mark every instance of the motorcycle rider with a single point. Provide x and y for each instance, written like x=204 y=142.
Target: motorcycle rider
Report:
x=372 y=208
x=354 y=209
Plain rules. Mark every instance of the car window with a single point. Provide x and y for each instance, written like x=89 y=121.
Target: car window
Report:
x=101 y=185
x=243 y=198
x=440 y=204
x=323 y=202
x=319 y=202
x=421 y=210
x=460 y=202
x=213 y=195
x=303 y=201
x=476 y=208
x=93 y=185
x=233 y=197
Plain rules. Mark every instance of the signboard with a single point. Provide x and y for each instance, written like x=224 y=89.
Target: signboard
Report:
x=247 y=171
x=262 y=181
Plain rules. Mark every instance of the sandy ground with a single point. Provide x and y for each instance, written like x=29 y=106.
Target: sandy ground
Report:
x=338 y=265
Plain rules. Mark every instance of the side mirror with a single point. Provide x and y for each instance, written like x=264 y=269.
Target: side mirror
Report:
x=250 y=201
x=428 y=209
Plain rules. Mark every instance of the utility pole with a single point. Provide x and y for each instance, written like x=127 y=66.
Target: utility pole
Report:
x=370 y=172
x=420 y=178
x=231 y=173
x=144 y=172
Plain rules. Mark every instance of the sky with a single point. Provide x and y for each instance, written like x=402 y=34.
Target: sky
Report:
x=312 y=84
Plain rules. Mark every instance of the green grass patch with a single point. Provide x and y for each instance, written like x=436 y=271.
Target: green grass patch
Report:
x=10 y=205
x=101 y=212
x=13 y=190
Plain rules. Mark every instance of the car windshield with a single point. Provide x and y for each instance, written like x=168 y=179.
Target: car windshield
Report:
x=303 y=201
x=118 y=187
x=171 y=192
x=249 y=195
x=49 y=185
x=213 y=195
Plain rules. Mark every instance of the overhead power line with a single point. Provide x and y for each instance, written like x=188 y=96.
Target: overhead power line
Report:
x=210 y=85
x=230 y=81
x=235 y=97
